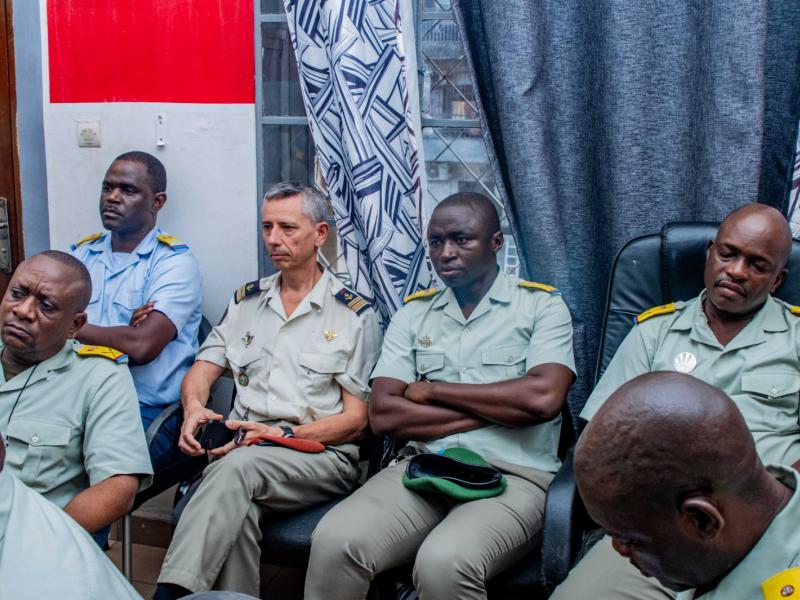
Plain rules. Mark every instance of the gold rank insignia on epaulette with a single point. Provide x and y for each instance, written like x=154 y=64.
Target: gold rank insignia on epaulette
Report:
x=172 y=242
x=87 y=239
x=656 y=311
x=785 y=584
x=535 y=285
x=429 y=293
x=352 y=300
x=795 y=310
x=248 y=289
x=104 y=351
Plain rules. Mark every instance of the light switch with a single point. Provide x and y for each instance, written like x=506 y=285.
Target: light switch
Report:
x=89 y=134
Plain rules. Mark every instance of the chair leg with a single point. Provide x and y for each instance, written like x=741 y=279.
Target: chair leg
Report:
x=127 y=548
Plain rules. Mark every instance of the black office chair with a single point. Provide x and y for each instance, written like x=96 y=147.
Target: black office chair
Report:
x=648 y=271
x=167 y=477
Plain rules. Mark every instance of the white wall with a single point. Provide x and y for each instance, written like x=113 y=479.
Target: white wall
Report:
x=211 y=171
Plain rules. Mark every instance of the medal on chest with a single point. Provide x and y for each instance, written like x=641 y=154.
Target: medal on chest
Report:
x=685 y=362
x=243 y=379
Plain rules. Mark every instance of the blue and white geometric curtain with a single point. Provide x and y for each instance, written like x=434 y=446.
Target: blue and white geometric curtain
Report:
x=353 y=71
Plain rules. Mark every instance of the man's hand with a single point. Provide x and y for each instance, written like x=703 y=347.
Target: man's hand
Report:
x=419 y=392
x=254 y=432
x=140 y=314
x=193 y=420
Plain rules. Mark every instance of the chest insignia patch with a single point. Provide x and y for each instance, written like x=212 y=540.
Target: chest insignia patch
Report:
x=247 y=339
x=685 y=362
x=425 y=342
x=329 y=335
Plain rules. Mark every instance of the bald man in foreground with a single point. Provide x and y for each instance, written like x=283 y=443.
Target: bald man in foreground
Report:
x=683 y=503
x=734 y=336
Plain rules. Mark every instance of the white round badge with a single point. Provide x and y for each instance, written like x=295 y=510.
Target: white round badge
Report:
x=685 y=362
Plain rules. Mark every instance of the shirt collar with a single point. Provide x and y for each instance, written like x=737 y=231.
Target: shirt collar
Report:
x=40 y=370
x=316 y=297
x=145 y=247
x=500 y=291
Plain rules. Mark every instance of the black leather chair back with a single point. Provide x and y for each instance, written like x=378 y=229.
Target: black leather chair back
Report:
x=664 y=267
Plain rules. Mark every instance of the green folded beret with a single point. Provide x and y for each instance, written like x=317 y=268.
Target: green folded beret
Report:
x=458 y=473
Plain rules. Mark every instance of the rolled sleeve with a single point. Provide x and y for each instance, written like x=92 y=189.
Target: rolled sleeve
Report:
x=551 y=339
x=114 y=441
x=176 y=287
x=397 y=354
x=365 y=353
x=632 y=358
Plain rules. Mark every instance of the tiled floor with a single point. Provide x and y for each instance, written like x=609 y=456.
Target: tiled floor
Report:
x=151 y=525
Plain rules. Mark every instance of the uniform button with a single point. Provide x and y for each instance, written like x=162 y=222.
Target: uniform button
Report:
x=773 y=392
x=462 y=370
x=467 y=330
x=35 y=439
x=509 y=358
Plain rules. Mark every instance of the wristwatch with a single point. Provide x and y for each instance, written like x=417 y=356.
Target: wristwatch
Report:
x=288 y=432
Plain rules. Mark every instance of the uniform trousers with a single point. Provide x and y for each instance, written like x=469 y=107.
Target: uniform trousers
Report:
x=604 y=574
x=216 y=543
x=458 y=545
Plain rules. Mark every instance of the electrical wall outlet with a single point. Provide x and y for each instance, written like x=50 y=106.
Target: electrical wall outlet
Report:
x=89 y=134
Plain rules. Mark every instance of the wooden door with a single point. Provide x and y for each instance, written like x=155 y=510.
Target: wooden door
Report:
x=10 y=227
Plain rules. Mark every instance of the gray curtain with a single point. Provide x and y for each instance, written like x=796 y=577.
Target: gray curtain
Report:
x=606 y=119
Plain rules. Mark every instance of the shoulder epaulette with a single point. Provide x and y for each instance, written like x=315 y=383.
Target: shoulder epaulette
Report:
x=535 y=285
x=248 y=289
x=664 y=309
x=795 y=310
x=429 y=293
x=785 y=584
x=87 y=239
x=104 y=351
x=172 y=242
x=352 y=300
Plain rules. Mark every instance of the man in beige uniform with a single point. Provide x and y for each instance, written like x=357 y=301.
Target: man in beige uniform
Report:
x=301 y=347
x=734 y=336
x=691 y=507
x=484 y=364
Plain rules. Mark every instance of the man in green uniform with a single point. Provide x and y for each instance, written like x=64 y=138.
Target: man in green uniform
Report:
x=483 y=364
x=46 y=554
x=736 y=337
x=301 y=347
x=695 y=509
x=68 y=412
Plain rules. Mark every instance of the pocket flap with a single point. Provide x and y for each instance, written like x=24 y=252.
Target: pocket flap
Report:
x=505 y=355
x=429 y=361
x=241 y=357
x=37 y=433
x=322 y=363
x=771 y=384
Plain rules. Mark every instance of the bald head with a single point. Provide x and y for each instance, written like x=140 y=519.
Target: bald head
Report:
x=765 y=223
x=669 y=469
x=476 y=204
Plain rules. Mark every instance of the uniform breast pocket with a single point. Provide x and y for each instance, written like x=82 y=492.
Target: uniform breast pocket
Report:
x=249 y=361
x=319 y=369
x=505 y=362
x=39 y=448
x=428 y=363
x=773 y=397
x=125 y=305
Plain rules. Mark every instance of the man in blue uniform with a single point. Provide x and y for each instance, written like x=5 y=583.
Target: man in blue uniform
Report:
x=135 y=265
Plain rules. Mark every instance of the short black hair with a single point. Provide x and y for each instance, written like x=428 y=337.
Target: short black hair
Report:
x=477 y=203
x=155 y=168
x=80 y=270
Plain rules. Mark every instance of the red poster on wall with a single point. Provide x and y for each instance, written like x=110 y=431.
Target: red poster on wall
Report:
x=198 y=51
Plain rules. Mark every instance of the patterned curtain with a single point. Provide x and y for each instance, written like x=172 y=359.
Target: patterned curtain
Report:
x=353 y=69
x=794 y=193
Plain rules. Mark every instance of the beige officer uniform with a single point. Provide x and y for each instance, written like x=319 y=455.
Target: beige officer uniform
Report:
x=288 y=370
x=759 y=369
x=458 y=546
x=777 y=550
x=70 y=422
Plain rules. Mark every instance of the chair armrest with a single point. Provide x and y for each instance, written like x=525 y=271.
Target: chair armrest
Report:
x=152 y=431
x=563 y=525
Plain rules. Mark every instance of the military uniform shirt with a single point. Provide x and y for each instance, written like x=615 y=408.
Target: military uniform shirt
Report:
x=511 y=330
x=759 y=368
x=290 y=369
x=45 y=554
x=778 y=549
x=76 y=423
x=153 y=272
